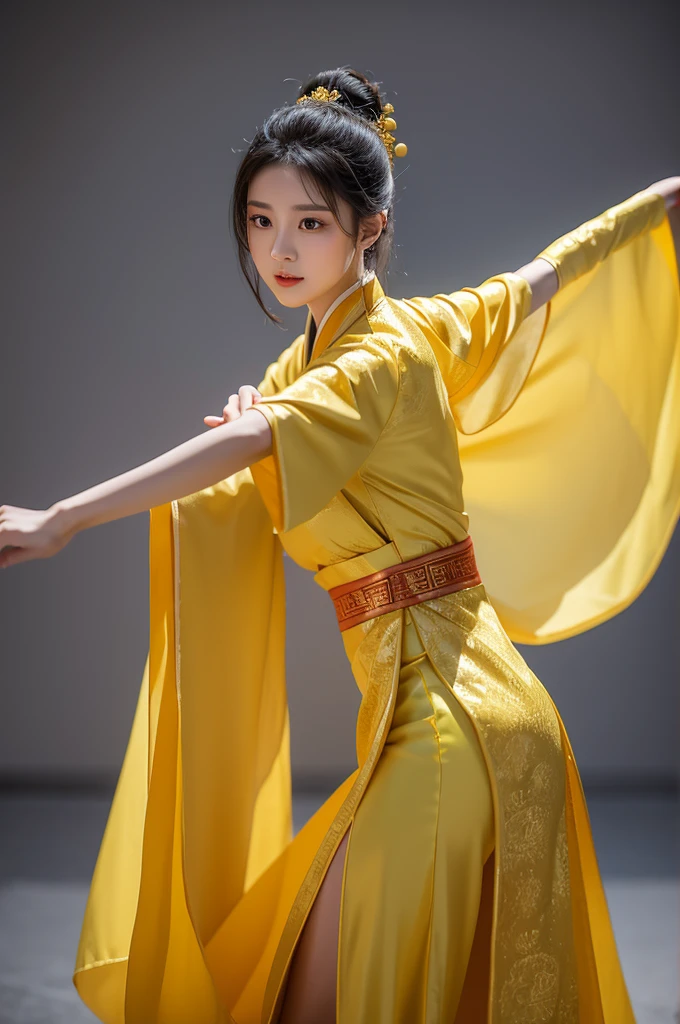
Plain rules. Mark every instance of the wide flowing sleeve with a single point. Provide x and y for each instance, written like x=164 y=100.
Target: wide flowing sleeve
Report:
x=202 y=809
x=283 y=370
x=574 y=493
x=324 y=426
x=485 y=342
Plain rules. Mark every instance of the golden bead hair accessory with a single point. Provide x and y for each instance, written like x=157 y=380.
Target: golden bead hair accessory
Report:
x=384 y=126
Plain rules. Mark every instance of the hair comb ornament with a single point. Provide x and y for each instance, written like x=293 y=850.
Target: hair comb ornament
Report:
x=384 y=126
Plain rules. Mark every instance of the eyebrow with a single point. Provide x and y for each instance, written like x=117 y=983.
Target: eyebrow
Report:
x=300 y=206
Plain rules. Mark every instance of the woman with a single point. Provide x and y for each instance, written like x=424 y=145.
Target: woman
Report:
x=452 y=876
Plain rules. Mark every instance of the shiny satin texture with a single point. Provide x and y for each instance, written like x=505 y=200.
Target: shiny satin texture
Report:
x=471 y=891
x=430 y=794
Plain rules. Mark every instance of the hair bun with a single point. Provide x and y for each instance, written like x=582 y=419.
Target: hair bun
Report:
x=356 y=91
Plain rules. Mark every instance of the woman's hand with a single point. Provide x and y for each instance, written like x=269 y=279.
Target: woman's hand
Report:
x=235 y=407
x=27 y=533
x=669 y=188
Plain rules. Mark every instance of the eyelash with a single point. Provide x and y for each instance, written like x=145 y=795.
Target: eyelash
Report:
x=305 y=220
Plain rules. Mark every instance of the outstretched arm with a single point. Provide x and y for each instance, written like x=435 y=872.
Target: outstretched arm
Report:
x=542 y=276
x=198 y=463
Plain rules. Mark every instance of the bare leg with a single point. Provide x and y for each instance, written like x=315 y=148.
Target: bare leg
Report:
x=311 y=989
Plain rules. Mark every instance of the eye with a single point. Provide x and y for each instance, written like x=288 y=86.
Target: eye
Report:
x=311 y=223
x=257 y=217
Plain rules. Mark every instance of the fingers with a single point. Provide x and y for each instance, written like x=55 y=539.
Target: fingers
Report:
x=236 y=406
x=232 y=409
x=13 y=556
x=12 y=547
x=8 y=536
x=248 y=396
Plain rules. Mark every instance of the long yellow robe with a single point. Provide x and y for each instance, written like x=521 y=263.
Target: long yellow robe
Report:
x=566 y=425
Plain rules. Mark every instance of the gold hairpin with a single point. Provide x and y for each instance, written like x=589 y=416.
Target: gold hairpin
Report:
x=384 y=126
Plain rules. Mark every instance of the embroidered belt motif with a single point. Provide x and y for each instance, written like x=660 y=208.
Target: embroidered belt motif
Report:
x=419 y=579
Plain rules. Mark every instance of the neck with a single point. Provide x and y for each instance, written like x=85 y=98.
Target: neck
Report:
x=319 y=307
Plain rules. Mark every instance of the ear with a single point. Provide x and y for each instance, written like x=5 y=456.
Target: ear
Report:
x=371 y=229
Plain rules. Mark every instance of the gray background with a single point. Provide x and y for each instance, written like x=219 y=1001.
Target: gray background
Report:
x=124 y=320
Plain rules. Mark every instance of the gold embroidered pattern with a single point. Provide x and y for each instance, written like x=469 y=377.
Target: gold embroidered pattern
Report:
x=419 y=579
x=533 y=975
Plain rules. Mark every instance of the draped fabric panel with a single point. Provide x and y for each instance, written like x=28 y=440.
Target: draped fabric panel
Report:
x=574 y=493
x=203 y=805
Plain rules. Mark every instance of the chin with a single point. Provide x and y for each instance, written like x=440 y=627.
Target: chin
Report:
x=291 y=298
x=289 y=301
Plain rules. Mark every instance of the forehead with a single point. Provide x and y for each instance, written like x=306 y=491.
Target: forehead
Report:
x=278 y=184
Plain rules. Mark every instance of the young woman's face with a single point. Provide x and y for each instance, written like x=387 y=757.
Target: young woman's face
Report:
x=299 y=249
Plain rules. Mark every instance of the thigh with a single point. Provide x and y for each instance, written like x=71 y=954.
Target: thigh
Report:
x=310 y=996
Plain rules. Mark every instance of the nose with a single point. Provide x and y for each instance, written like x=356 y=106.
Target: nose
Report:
x=283 y=249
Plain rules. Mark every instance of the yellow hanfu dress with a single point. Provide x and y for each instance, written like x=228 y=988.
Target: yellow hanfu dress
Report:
x=471 y=890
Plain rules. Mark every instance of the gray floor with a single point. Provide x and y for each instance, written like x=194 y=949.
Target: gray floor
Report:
x=49 y=843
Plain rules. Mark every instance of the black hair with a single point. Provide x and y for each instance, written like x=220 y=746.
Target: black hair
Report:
x=335 y=149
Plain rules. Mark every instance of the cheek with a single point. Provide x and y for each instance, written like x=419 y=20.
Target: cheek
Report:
x=259 y=245
x=254 y=242
x=334 y=248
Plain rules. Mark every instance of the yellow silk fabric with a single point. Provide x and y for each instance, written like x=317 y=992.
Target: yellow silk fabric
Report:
x=574 y=494
x=202 y=807
x=199 y=895
x=430 y=798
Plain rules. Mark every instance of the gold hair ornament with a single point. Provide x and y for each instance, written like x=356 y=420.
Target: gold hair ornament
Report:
x=384 y=126
x=321 y=93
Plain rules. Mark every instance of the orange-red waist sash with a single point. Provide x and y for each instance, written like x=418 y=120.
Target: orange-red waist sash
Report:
x=419 y=579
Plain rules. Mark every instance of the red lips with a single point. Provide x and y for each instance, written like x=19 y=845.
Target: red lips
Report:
x=286 y=281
